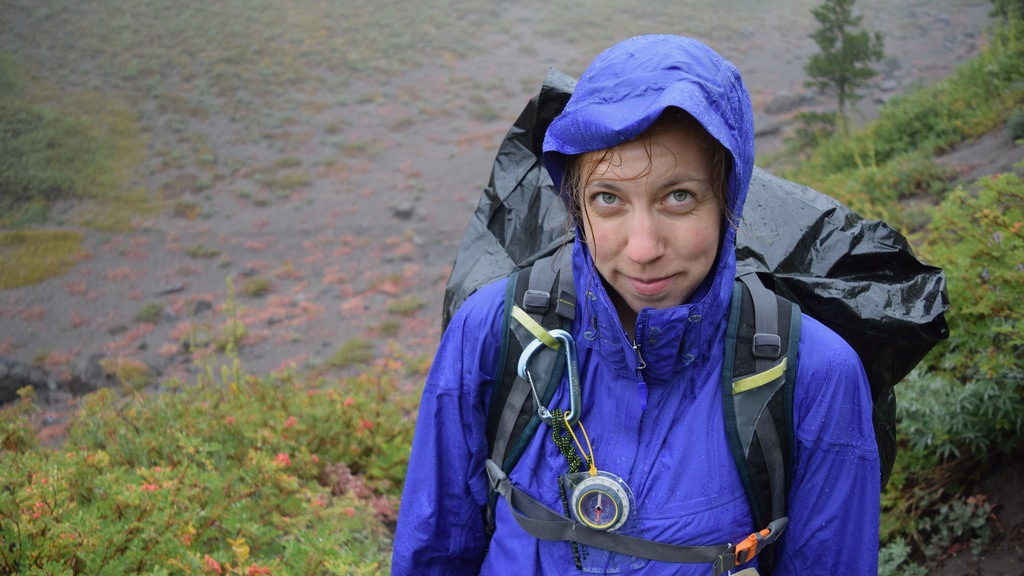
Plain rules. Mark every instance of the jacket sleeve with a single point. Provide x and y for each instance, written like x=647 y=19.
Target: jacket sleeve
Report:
x=440 y=522
x=835 y=494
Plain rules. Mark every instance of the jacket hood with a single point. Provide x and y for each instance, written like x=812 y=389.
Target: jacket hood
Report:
x=620 y=95
x=628 y=86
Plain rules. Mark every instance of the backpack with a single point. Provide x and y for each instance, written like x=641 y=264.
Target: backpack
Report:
x=859 y=277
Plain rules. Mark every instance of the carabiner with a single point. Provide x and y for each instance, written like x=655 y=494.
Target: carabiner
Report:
x=572 y=367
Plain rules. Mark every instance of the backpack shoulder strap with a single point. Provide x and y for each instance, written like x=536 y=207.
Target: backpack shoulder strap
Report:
x=758 y=375
x=546 y=294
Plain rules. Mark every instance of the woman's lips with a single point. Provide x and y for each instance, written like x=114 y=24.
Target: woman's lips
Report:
x=649 y=287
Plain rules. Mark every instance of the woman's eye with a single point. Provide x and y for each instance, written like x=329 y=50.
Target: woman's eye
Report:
x=679 y=196
x=605 y=198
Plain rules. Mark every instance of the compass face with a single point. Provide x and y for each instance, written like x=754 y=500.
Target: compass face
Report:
x=600 y=503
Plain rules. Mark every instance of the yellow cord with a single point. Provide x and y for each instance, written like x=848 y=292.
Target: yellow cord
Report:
x=590 y=449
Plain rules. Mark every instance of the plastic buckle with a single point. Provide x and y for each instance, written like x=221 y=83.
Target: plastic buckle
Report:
x=497 y=476
x=767 y=345
x=536 y=301
x=751 y=545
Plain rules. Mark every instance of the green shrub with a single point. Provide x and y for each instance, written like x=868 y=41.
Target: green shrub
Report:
x=231 y=334
x=201 y=251
x=812 y=128
x=353 y=352
x=979 y=242
x=1015 y=125
x=150 y=313
x=924 y=121
x=945 y=418
x=82 y=145
x=236 y=476
x=963 y=523
x=406 y=306
x=965 y=403
x=131 y=373
x=255 y=286
x=16 y=431
x=43 y=156
x=894 y=559
x=389 y=327
x=287 y=181
x=906 y=176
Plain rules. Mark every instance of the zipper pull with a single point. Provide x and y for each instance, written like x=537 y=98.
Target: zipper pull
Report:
x=641 y=384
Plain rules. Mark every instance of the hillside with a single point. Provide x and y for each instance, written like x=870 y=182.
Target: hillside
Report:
x=325 y=162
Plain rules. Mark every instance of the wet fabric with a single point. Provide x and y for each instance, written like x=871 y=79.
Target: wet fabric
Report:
x=660 y=428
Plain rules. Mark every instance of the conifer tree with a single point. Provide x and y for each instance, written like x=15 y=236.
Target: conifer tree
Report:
x=1008 y=10
x=844 y=64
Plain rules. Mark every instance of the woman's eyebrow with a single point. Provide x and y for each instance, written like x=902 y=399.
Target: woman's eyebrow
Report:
x=683 y=181
x=606 y=184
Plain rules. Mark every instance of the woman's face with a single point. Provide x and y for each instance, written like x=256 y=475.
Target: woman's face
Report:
x=652 y=217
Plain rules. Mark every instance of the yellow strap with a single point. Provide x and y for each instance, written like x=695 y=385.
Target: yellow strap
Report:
x=760 y=379
x=535 y=328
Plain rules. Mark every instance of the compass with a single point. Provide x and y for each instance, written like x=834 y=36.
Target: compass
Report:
x=601 y=503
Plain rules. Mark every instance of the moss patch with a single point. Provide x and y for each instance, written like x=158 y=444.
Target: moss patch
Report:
x=30 y=256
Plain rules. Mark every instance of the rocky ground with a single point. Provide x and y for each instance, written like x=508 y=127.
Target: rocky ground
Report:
x=327 y=161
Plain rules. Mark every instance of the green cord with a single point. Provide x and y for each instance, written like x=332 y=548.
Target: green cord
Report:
x=560 y=434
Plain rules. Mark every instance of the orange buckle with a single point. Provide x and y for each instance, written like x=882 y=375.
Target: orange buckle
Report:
x=748 y=547
x=751 y=545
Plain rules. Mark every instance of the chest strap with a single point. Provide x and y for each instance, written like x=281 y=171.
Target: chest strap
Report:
x=546 y=524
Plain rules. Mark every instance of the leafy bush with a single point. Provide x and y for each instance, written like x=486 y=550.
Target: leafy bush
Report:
x=959 y=524
x=256 y=286
x=131 y=373
x=75 y=146
x=946 y=418
x=406 y=306
x=353 y=352
x=902 y=177
x=43 y=156
x=150 y=313
x=894 y=559
x=812 y=129
x=241 y=475
x=979 y=242
x=965 y=403
x=1015 y=125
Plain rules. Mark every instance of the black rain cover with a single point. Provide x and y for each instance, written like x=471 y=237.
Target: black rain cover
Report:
x=859 y=277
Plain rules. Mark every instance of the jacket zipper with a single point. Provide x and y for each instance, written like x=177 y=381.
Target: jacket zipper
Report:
x=639 y=459
x=641 y=384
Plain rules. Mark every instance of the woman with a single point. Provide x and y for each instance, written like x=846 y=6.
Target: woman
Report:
x=653 y=154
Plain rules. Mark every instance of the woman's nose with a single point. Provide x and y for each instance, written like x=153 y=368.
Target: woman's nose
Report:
x=643 y=243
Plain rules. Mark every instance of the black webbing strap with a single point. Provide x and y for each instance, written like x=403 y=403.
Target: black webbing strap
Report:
x=545 y=291
x=771 y=449
x=548 y=276
x=518 y=396
x=767 y=349
x=546 y=524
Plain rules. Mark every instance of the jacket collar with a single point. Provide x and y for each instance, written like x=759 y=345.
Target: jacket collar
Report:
x=672 y=341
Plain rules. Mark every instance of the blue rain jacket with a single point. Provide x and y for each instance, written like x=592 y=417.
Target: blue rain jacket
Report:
x=661 y=428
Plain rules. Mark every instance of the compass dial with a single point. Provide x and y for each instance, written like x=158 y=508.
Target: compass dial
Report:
x=600 y=503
